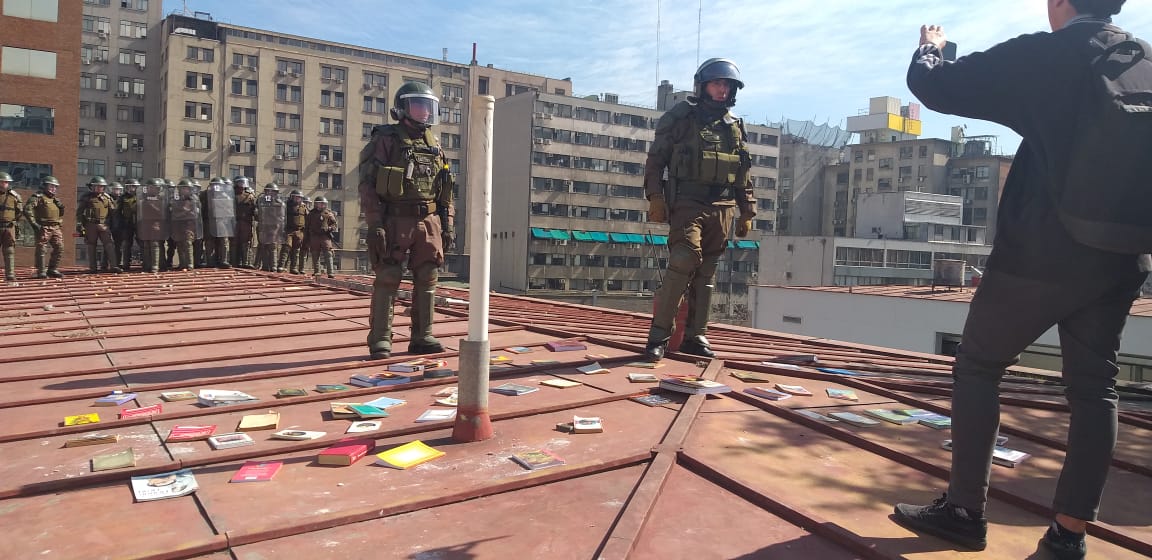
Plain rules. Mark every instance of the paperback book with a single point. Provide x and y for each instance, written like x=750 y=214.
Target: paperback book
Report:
x=217 y=397
x=331 y=388
x=519 y=350
x=842 y=394
x=81 y=419
x=141 y=412
x=766 y=393
x=292 y=392
x=342 y=410
x=693 y=385
x=854 y=419
x=815 y=416
x=439 y=373
x=643 y=378
x=561 y=383
x=437 y=415
x=587 y=425
x=173 y=396
x=163 y=486
x=92 y=439
x=116 y=398
x=385 y=402
x=345 y=453
x=405 y=368
x=257 y=471
x=889 y=416
x=537 y=459
x=593 y=368
x=1000 y=455
x=364 y=426
x=408 y=455
x=751 y=376
x=190 y=433
x=513 y=389
x=793 y=390
x=228 y=441
x=298 y=435
x=367 y=411
x=378 y=379
x=117 y=460
x=566 y=345
x=255 y=422
x=652 y=400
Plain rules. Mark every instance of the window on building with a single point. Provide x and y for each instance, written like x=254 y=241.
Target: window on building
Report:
x=196 y=140
x=28 y=62
x=244 y=87
x=27 y=118
x=43 y=10
x=859 y=256
x=96 y=24
x=287 y=150
x=199 y=111
x=923 y=151
x=289 y=67
x=482 y=86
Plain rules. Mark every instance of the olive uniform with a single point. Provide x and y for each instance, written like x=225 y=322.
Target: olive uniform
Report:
x=187 y=227
x=45 y=213
x=319 y=227
x=94 y=221
x=125 y=223
x=292 y=252
x=245 y=220
x=10 y=210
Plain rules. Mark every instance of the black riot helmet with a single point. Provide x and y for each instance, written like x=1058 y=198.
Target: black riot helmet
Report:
x=717 y=69
x=416 y=102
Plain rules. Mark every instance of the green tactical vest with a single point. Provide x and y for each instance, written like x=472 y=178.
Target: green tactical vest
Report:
x=9 y=206
x=95 y=209
x=45 y=209
x=126 y=210
x=297 y=215
x=709 y=160
x=411 y=173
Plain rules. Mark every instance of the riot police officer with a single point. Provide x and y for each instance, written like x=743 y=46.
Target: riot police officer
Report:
x=45 y=213
x=702 y=146
x=406 y=195
x=94 y=221
x=245 y=220
x=292 y=252
x=187 y=227
x=219 y=221
x=270 y=217
x=10 y=209
x=124 y=223
x=152 y=223
x=320 y=228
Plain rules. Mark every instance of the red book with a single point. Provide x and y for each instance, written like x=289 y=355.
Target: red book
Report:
x=138 y=412
x=566 y=345
x=346 y=452
x=190 y=433
x=257 y=471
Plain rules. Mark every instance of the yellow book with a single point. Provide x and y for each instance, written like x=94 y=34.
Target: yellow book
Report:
x=253 y=422
x=81 y=419
x=408 y=455
x=561 y=383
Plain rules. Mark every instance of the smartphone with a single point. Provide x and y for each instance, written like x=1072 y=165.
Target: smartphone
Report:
x=949 y=51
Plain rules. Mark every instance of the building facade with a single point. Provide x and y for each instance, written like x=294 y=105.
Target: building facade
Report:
x=39 y=101
x=298 y=111
x=849 y=261
x=977 y=174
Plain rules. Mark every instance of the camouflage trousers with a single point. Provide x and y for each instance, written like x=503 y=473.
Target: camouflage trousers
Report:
x=322 y=254
x=292 y=252
x=100 y=234
x=49 y=239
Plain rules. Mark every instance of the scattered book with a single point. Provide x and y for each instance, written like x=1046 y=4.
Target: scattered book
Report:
x=644 y=365
x=566 y=345
x=346 y=452
x=596 y=357
x=367 y=411
x=228 y=441
x=385 y=402
x=815 y=416
x=216 y=397
x=439 y=373
x=593 y=368
x=652 y=400
x=793 y=390
x=378 y=379
x=92 y=439
x=928 y=418
x=81 y=419
x=1000 y=455
x=298 y=435
x=643 y=378
x=792 y=367
x=845 y=372
x=408 y=455
x=341 y=410
x=163 y=486
x=797 y=359
x=842 y=394
x=513 y=389
x=890 y=416
x=257 y=471
x=751 y=376
x=447 y=391
x=499 y=360
x=451 y=400
x=255 y=422
x=586 y=425
x=116 y=398
x=173 y=396
x=428 y=363
x=118 y=460
x=693 y=385
x=854 y=419
x=285 y=393
x=519 y=350
x=405 y=368
x=331 y=388
x=545 y=362
x=766 y=393
x=537 y=459
x=437 y=415
x=561 y=383
x=190 y=433
x=565 y=427
x=141 y=412
x=364 y=426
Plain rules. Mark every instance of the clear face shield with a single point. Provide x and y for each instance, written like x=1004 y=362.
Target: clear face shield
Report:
x=420 y=108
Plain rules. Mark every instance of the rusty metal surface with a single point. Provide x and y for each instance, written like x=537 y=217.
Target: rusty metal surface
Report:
x=718 y=477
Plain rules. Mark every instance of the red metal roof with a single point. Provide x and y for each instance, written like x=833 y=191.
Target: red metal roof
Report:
x=729 y=476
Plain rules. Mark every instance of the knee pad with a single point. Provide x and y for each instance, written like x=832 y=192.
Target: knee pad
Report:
x=683 y=259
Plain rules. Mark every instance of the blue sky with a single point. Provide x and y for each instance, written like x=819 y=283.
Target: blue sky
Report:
x=798 y=62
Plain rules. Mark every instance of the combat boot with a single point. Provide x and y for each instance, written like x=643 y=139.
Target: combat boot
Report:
x=699 y=311
x=668 y=298
x=10 y=265
x=300 y=254
x=93 y=259
x=53 y=265
x=283 y=261
x=657 y=345
x=380 y=324
x=39 y=263
x=423 y=307
x=328 y=258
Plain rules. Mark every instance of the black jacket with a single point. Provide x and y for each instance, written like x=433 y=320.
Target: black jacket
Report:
x=1034 y=85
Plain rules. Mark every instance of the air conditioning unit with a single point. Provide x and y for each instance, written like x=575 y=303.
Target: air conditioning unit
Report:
x=85 y=60
x=139 y=96
x=547 y=140
x=323 y=158
x=277 y=156
x=203 y=117
x=203 y=87
x=325 y=80
x=291 y=73
x=339 y=81
x=281 y=73
x=366 y=87
x=538 y=115
x=457 y=99
x=561 y=241
x=139 y=148
x=83 y=143
x=140 y=66
x=102 y=34
x=252 y=68
x=335 y=164
x=538 y=141
x=547 y=116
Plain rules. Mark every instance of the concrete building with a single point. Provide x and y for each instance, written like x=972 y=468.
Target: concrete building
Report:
x=977 y=173
x=848 y=261
x=806 y=154
x=920 y=320
x=569 y=211
x=39 y=100
x=297 y=111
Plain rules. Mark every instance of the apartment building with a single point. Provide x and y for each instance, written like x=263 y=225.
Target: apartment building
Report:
x=39 y=100
x=298 y=111
x=977 y=174
x=569 y=210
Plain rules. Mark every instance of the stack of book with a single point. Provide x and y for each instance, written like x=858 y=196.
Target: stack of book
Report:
x=378 y=379
x=219 y=397
x=514 y=389
x=566 y=345
x=930 y=419
x=766 y=393
x=693 y=385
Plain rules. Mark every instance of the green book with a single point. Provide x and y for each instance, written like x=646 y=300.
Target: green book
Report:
x=331 y=388
x=282 y=393
x=368 y=411
x=117 y=460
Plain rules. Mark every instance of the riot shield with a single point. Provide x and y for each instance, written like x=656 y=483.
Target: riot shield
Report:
x=185 y=216
x=152 y=219
x=220 y=213
x=270 y=211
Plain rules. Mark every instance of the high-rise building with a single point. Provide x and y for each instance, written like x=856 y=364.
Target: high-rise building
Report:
x=39 y=97
x=806 y=151
x=977 y=174
x=298 y=111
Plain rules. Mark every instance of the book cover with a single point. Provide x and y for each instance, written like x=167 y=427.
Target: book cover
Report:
x=255 y=422
x=141 y=412
x=257 y=471
x=816 y=416
x=587 y=425
x=116 y=398
x=561 y=383
x=291 y=392
x=854 y=419
x=346 y=452
x=364 y=426
x=652 y=400
x=842 y=394
x=173 y=396
x=451 y=400
x=385 y=402
x=439 y=373
x=81 y=419
x=92 y=439
x=428 y=363
x=437 y=415
x=341 y=410
x=643 y=378
x=163 y=486
x=545 y=362
x=118 y=460
x=190 y=433
x=393 y=378
x=217 y=397
x=793 y=390
x=890 y=416
x=499 y=360
x=365 y=380
x=593 y=368
x=228 y=441
x=331 y=388
x=941 y=423
x=368 y=411
x=298 y=435
x=750 y=376
x=644 y=365
x=766 y=393
x=519 y=350
x=693 y=385
x=566 y=345
x=408 y=455
x=405 y=368
x=513 y=389
x=537 y=459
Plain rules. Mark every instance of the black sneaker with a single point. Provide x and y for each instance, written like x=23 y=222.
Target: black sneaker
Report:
x=1064 y=544
x=947 y=521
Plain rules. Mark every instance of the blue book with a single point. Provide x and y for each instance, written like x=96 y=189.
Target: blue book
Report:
x=115 y=399
x=386 y=402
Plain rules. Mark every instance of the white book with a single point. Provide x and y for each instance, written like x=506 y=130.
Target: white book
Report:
x=437 y=415
x=364 y=426
x=298 y=435
x=228 y=441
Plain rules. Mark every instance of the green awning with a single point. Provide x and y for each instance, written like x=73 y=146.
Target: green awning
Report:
x=748 y=244
x=658 y=239
x=619 y=237
x=582 y=236
x=599 y=236
x=561 y=234
x=538 y=233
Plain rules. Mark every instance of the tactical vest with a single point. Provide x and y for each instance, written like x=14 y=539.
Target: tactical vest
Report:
x=9 y=207
x=95 y=208
x=126 y=210
x=245 y=207
x=320 y=222
x=46 y=210
x=710 y=159
x=297 y=216
x=411 y=173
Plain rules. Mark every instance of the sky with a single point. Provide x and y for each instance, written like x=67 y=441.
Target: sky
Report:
x=797 y=62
